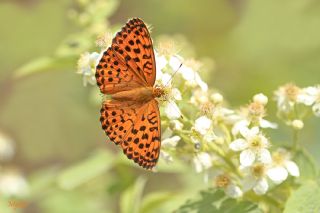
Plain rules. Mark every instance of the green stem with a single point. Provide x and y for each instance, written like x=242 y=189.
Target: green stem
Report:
x=295 y=145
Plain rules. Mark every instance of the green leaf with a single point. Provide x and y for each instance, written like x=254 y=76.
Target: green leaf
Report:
x=131 y=198
x=306 y=164
x=44 y=64
x=214 y=200
x=78 y=174
x=154 y=201
x=306 y=199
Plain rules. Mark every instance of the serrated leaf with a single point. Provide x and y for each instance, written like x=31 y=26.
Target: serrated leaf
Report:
x=214 y=200
x=130 y=200
x=97 y=164
x=306 y=199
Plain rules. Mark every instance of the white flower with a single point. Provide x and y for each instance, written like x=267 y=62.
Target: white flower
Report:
x=199 y=97
x=172 y=110
x=253 y=146
x=175 y=62
x=243 y=123
x=176 y=125
x=297 y=124
x=255 y=178
x=13 y=184
x=170 y=142
x=166 y=156
x=260 y=98
x=225 y=115
x=104 y=41
x=202 y=125
x=231 y=190
x=87 y=67
x=281 y=166
x=202 y=161
x=171 y=95
x=309 y=95
x=192 y=77
x=267 y=124
x=6 y=147
x=161 y=61
x=286 y=96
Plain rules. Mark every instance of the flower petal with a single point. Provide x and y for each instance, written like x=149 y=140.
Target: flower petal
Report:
x=161 y=62
x=265 y=156
x=267 y=124
x=239 y=125
x=247 y=157
x=261 y=187
x=292 y=168
x=171 y=142
x=233 y=191
x=238 y=145
x=202 y=124
x=166 y=156
x=175 y=62
x=176 y=94
x=248 y=182
x=277 y=174
x=172 y=111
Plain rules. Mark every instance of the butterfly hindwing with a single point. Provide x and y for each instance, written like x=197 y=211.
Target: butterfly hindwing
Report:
x=136 y=128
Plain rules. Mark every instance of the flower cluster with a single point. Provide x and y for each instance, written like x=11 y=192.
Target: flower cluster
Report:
x=229 y=146
x=294 y=103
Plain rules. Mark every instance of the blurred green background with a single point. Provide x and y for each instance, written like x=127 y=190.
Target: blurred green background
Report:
x=256 y=46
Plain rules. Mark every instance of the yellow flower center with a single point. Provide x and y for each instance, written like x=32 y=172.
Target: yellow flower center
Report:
x=206 y=108
x=291 y=91
x=258 y=170
x=222 y=181
x=278 y=158
x=255 y=142
x=256 y=109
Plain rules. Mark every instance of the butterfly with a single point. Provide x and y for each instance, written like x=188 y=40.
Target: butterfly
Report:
x=127 y=72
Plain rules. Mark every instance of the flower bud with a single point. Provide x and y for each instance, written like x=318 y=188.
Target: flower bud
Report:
x=217 y=98
x=260 y=98
x=297 y=124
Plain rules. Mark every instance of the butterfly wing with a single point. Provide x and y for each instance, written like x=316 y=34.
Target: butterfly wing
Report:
x=136 y=128
x=113 y=75
x=133 y=45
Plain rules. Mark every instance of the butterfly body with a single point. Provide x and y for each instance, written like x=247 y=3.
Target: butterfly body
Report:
x=127 y=72
x=141 y=95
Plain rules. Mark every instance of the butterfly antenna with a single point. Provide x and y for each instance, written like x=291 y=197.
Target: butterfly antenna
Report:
x=173 y=74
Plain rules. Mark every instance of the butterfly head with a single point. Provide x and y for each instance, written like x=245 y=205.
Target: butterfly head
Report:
x=159 y=92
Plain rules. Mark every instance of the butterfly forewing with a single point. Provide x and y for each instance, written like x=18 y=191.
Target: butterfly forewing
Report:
x=134 y=45
x=113 y=75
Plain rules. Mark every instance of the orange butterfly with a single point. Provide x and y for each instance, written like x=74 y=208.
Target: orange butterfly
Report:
x=127 y=72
